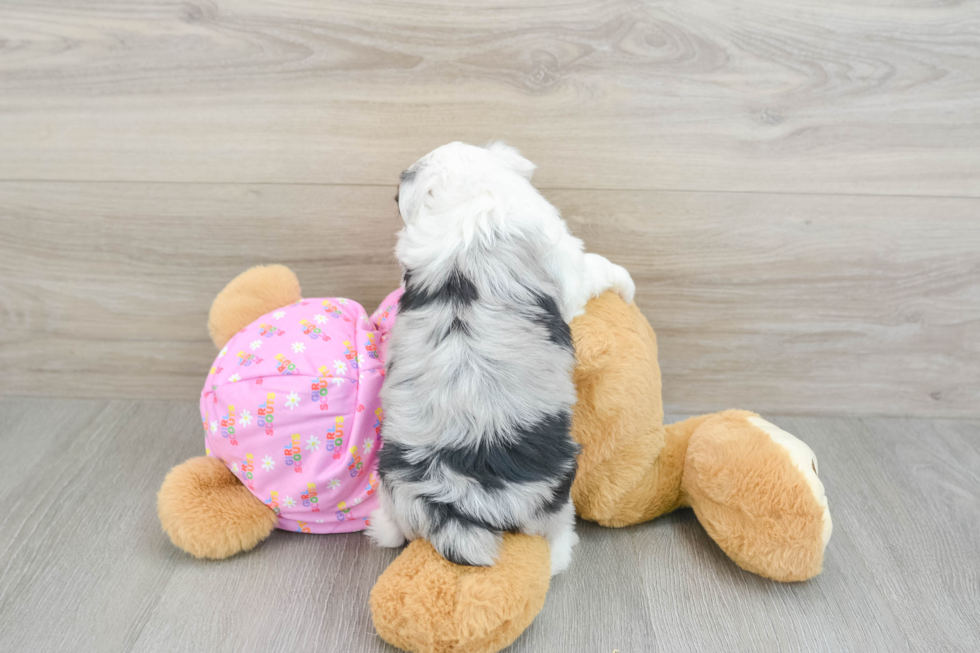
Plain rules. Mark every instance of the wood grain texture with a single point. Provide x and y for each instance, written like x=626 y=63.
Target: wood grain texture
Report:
x=84 y=565
x=800 y=96
x=780 y=303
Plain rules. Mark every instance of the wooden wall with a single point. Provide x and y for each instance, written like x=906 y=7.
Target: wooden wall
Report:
x=795 y=186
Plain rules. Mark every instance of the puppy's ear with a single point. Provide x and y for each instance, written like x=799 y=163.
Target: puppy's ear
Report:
x=512 y=158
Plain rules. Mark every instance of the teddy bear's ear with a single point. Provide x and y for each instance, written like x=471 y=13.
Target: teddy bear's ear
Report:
x=512 y=158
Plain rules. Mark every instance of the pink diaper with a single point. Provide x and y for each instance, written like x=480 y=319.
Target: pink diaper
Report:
x=291 y=407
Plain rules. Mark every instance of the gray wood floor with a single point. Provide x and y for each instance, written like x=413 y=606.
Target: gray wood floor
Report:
x=84 y=566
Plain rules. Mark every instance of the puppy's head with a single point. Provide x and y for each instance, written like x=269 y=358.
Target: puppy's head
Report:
x=459 y=194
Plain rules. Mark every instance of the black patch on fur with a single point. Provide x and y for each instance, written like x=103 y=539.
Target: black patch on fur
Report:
x=561 y=493
x=393 y=457
x=458 y=326
x=407 y=175
x=539 y=452
x=550 y=318
x=457 y=290
x=543 y=451
x=441 y=514
x=453 y=556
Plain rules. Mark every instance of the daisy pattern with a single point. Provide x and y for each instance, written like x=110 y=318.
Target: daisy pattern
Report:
x=214 y=426
x=368 y=445
x=255 y=344
x=246 y=418
x=334 y=483
x=319 y=318
x=298 y=347
x=288 y=502
x=292 y=400
x=234 y=377
x=279 y=315
x=268 y=463
x=224 y=350
x=340 y=366
x=313 y=443
x=234 y=467
x=342 y=301
x=337 y=380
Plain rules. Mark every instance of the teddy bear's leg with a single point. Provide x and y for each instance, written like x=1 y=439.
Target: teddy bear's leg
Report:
x=426 y=604
x=207 y=512
x=204 y=509
x=249 y=296
x=754 y=488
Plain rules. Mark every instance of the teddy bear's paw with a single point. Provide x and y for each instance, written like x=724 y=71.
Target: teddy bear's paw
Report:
x=805 y=461
x=426 y=604
x=755 y=489
x=207 y=511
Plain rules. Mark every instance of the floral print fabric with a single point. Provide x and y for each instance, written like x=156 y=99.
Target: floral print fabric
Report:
x=292 y=408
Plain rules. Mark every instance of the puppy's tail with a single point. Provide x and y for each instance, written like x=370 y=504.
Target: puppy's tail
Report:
x=463 y=542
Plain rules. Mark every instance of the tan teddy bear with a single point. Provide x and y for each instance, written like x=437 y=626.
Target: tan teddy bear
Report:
x=753 y=486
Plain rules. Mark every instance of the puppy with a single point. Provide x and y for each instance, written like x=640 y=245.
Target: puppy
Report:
x=478 y=390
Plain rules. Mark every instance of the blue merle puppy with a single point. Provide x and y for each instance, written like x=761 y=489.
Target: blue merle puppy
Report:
x=478 y=391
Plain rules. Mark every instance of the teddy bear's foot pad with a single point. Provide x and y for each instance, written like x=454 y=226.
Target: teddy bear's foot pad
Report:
x=754 y=487
x=426 y=604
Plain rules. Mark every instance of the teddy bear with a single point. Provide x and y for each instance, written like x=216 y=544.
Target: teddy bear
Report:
x=753 y=486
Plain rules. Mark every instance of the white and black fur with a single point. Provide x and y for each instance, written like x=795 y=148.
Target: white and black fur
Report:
x=478 y=391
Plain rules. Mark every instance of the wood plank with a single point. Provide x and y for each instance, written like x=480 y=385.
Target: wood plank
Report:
x=794 y=96
x=780 y=303
x=905 y=499
x=81 y=540
x=80 y=543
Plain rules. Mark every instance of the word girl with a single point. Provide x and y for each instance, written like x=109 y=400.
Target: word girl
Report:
x=228 y=426
x=246 y=470
x=265 y=412
x=293 y=454
x=335 y=437
x=310 y=499
x=350 y=354
x=319 y=387
x=372 y=346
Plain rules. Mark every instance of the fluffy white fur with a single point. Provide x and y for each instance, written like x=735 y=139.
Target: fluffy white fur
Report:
x=459 y=194
x=478 y=392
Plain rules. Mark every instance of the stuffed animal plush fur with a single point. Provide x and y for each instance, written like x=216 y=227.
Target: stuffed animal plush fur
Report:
x=753 y=486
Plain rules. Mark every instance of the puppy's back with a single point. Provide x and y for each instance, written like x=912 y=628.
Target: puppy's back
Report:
x=478 y=398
